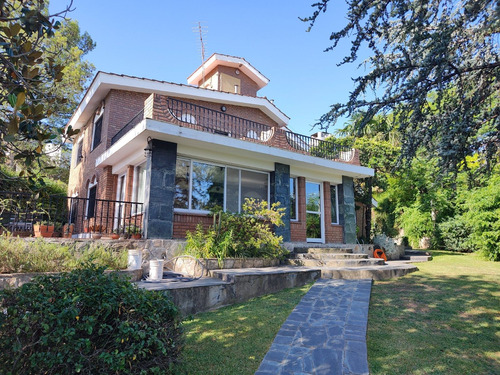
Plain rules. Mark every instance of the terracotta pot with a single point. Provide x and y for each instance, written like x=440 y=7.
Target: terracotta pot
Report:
x=96 y=236
x=115 y=236
x=136 y=236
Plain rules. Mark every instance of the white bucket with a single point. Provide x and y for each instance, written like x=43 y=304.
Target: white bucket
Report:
x=134 y=259
x=156 y=269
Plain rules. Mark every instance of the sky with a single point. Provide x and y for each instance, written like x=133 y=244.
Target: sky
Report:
x=158 y=39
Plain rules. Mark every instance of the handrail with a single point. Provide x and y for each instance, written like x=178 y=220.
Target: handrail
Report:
x=317 y=147
x=129 y=125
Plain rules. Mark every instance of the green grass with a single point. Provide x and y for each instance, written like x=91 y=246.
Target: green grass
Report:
x=235 y=339
x=444 y=319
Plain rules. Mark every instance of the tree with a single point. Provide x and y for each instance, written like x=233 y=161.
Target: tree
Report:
x=436 y=67
x=30 y=76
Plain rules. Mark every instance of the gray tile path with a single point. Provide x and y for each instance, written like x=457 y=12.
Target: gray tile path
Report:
x=325 y=333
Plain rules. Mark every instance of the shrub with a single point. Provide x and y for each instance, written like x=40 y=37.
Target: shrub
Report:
x=248 y=234
x=87 y=322
x=455 y=234
x=18 y=255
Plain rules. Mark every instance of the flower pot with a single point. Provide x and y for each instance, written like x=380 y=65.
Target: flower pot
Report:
x=134 y=259
x=115 y=236
x=136 y=236
x=96 y=236
x=43 y=230
x=156 y=270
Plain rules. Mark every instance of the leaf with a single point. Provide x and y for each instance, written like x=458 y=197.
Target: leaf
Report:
x=21 y=98
x=14 y=29
x=13 y=126
x=12 y=98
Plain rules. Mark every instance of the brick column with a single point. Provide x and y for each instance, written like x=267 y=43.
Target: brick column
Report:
x=347 y=209
x=280 y=192
x=160 y=190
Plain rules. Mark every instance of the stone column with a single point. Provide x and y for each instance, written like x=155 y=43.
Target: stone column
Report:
x=280 y=192
x=347 y=209
x=160 y=190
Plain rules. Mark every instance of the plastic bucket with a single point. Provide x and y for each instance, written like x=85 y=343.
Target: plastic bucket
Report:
x=134 y=259
x=156 y=269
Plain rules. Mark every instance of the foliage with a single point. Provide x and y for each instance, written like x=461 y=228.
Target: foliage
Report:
x=455 y=233
x=434 y=65
x=87 y=322
x=10 y=181
x=19 y=255
x=248 y=234
x=34 y=89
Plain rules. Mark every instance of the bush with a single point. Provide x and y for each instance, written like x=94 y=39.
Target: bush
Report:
x=87 y=322
x=18 y=255
x=455 y=234
x=248 y=234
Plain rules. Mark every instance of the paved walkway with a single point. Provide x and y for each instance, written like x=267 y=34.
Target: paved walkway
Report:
x=325 y=333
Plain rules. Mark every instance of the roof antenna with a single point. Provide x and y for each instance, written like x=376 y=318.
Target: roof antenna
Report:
x=202 y=31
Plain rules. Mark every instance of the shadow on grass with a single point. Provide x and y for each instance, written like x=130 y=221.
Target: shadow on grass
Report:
x=438 y=253
x=435 y=325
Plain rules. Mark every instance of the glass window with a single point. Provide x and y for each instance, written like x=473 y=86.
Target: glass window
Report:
x=233 y=190
x=92 y=201
x=97 y=133
x=182 y=171
x=254 y=185
x=333 y=200
x=79 y=152
x=140 y=183
x=207 y=186
x=313 y=197
x=293 y=199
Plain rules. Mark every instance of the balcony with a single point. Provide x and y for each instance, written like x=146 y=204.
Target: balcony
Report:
x=194 y=116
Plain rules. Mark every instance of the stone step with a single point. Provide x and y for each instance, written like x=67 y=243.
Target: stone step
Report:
x=388 y=271
x=323 y=250
x=336 y=262
x=417 y=258
x=330 y=256
x=416 y=252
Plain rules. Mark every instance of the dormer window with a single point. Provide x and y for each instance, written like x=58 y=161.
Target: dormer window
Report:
x=96 y=140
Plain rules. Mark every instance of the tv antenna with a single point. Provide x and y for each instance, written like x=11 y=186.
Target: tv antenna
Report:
x=202 y=31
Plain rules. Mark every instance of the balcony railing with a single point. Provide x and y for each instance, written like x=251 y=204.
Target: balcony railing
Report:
x=320 y=148
x=19 y=212
x=128 y=126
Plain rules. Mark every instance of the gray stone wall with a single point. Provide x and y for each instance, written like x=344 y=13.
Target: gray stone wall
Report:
x=348 y=209
x=280 y=192
x=160 y=190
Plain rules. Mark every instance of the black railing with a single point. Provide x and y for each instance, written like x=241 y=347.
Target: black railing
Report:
x=318 y=147
x=129 y=125
x=217 y=122
x=21 y=212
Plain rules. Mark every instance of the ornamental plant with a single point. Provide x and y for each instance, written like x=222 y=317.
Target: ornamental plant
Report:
x=87 y=322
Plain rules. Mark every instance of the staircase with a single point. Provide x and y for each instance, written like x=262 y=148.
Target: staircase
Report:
x=343 y=263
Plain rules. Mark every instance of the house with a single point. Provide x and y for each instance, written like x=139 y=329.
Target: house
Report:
x=178 y=150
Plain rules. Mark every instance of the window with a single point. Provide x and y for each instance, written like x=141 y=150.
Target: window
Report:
x=91 y=203
x=139 y=189
x=97 y=133
x=202 y=186
x=293 y=199
x=79 y=151
x=334 y=204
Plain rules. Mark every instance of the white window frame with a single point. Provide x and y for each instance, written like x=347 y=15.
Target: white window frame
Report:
x=122 y=182
x=321 y=213
x=190 y=193
x=93 y=131
x=135 y=187
x=296 y=182
x=336 y=222
x=78 y=144
x=91 y=185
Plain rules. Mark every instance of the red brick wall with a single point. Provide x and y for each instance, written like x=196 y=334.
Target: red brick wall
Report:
x=184 y=222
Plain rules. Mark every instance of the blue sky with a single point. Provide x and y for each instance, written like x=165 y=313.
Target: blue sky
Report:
x=155 y=39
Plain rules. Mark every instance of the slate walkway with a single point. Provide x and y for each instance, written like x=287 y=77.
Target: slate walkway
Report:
x=325 y=333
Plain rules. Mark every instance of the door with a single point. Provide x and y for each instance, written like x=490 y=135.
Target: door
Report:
x=120 y=206
x=314 y=217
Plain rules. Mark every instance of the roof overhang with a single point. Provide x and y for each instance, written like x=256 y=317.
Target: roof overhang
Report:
x=231 y=61
x=129 y=150
x=104 y=82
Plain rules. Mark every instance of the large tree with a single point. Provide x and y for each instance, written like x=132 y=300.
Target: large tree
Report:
x=434 y=65
x=41 y=75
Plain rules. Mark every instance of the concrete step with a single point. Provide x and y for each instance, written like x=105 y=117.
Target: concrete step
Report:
x=388 y=271
x=323 y=250
x=335 y=262
x=329 y=256
x=416 y=252
x=417 y=258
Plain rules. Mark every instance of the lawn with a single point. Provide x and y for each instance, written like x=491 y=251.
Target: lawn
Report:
x=443 y=319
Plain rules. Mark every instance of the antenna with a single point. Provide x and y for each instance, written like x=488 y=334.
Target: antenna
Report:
x=202 y=31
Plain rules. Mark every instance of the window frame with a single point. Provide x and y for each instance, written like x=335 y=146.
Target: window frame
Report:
x=135 y=188
x=79 y=151
x=100 y=122
x=225 y=166
x=296 y=188
x=92 y=185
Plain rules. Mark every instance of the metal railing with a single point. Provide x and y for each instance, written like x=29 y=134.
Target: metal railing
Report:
x=20 y=212
x=318 y=147
x=217 y=122
x=129 y=125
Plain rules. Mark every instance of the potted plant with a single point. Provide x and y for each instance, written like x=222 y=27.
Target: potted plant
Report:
x=96 y=231
x=68 y=230
x=134 y=231
x=43 y=229
x=115 y=234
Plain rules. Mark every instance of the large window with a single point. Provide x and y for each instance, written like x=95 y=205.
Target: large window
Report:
x=293 y=199
x=334 y=204
x=202 y=186
x=138 y=192
x=91 y=203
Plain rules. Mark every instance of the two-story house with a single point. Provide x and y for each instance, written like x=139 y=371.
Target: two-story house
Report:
x=180 y=150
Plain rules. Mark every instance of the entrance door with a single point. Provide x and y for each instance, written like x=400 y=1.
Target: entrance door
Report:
x=314 y=222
